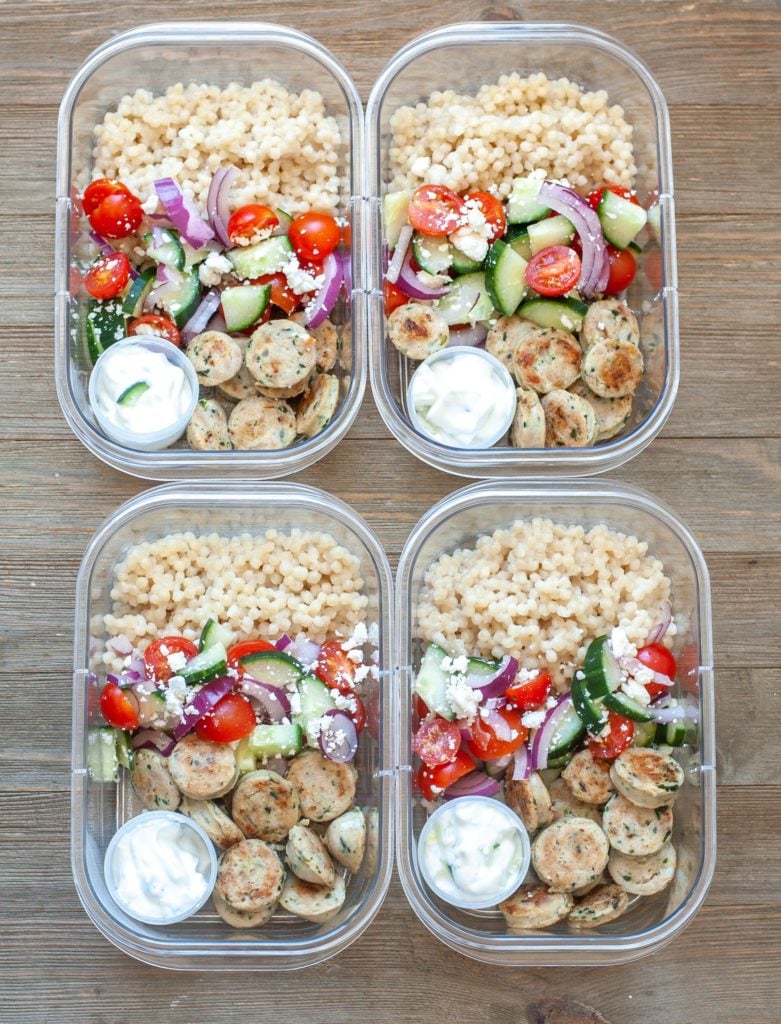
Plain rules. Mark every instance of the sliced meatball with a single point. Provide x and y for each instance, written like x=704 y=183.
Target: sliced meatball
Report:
x=570 y=421
x=648 y=778
x=326 y=341
x=588 y=778
x=535 y=906
x=280 y=354
x=222 y=831
x=570 y=853
x=250 y=876
x=528 y=426
x=201 y=769
x=241 y=918
x=215 y=356
x=316 y=903
x=603 y=904
x=346 y=839
x=242 y=385
x=611 y=413
x=529 y=799
x=372 y=816
x=207 y=430
x=564 y=802
x=153 y=783
x=584 y=890
x=292 y=392
x=609 y=320
x=265 y=805
x=547 y=359
x=318 y=405
x=503 y=338
x=643 y=876
x=325 y=788
x=613 y=369
x=262 y=424
x=636 y=831
x=417 y=331
x=307 y=856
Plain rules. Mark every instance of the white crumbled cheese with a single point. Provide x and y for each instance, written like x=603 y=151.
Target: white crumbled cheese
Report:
x=359 y=637
x=525 y=675
x=620 y=644
x=580 y=674
x=213 y=267
x=374 y=633
x=644 y=675
x=295 y=702
x=344 y=701
x=533 y=719
x=361 y=672
x=176 y=695
x=432 y=280
x=455 y=666
x=462 y=698
x=176 y=661
x=420 y=166
x=635 y=691
x=313 y=729
x=551 y=702
x=149 y=205
x=356 y=655
x=299 y=280
x=470 y=242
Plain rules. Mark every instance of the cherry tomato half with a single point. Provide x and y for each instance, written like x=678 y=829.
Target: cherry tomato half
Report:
x=314 y=235
x=119 y=707
x=622 y=731
x=595 y=198
x=248 y=221
x=231 y=718
x=97 y=190
x=282 y=295
x=107 y=277
x=118 y=216
x=553 y=271
x=658 y=659
x=437 y=741
x=623 y=267
x=486 y=745
x=335 y=669
x=431 y=781
x=394 y=297
x=357 y=711
x=435 y=210
x=492 y=210
x=160 y=326
x=244 y=647
x=530 y=695
x=157 y=653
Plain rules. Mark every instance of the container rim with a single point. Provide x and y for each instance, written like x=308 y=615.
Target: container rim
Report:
x=210 y=954
x=557 y=949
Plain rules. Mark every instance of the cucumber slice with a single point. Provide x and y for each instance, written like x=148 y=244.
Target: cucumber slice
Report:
x=432 y=681
x=126 y=756
x=169 y=249
x=394 y=215
x=132 y=394
x=627 y=707
x=634 y=248
x=245 y=757
x=523 y=204
x=675 y=734
x=655 y=221
x=106 y=323
x=621 y=220
x=102 y=760
x=518 y=239
x=276 y=740
x=561 y=760
x=315 y=700
x=461 y=263
x=467 y=302
x=564 y=314
x=505 y=277
x=181 y=303
x=244 y=305
x=569 y=732
x=209 y=664
x=645 y=734
x=601 y=670
x=266 y=257
x=273 y=667
x=213 y=633
x=133 y=303
x=285 y=220
x=433 y=255
x=481 y=667
x=551 y=231
x=589 y=709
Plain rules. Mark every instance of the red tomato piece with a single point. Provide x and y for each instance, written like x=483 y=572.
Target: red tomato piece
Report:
x=622 y=731
x=420 y=707
x=107 y=277
x=97 y=190
x=314 y=235
x=119 y=707
x=656 y=690
x=553 y=271
x=282 y=295
x=231 y=718
x=492 y=210
x=595 y=198
x=118 y=216
x=157 y=653
x=658 y=659
x=437 y=741
x=432 y=781
x=530 y=695
x=652 y=265
x=154 y=323
x=435 y=210
x=394 y=297
x=335 y=669
x=486 y=745
x=623 y=267
x=244 y=647
x=357 y=711
x=248 y=221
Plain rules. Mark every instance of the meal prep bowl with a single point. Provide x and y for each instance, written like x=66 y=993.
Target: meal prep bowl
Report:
x=203 y=941
x=462 y=58
x=155 y=57
x=653 y=921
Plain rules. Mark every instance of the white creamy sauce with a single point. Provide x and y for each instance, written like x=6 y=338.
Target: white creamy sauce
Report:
x=161 y=405
x=462 y=401
x=160 y=870
x=473 y=850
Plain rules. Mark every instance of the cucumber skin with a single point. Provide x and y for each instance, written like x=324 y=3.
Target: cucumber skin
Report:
x=262 y=293
x=551 y=313
x=500 y=255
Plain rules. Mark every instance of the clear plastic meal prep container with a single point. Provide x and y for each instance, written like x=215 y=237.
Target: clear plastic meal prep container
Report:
x=461 y=57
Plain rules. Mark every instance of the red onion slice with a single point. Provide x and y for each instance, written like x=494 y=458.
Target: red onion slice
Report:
x=201 y=704
x=120 y=645
x=205 y=310
x=544 y=734
x=522 y=765
x=276 y=764
x=283 y=642
x=325 y=300
x=468 y=334
x=661 y=627
x=495 y=685
x=338 y=736
x=595 y=266
x=217 y=206
x=409 y=282
x=303 y=650
x=474 y=784
x=347 y=273
x=665 y=712
x=184 y=216
x=153 y=739
x=394 y=267
x=272 y=701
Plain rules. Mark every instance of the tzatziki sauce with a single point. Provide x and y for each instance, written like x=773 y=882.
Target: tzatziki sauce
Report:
x=141 y=391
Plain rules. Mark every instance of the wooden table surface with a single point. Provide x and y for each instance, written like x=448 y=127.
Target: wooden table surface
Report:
x=716 y=463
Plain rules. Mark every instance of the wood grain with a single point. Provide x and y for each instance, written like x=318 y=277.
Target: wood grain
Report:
x=717 y=464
